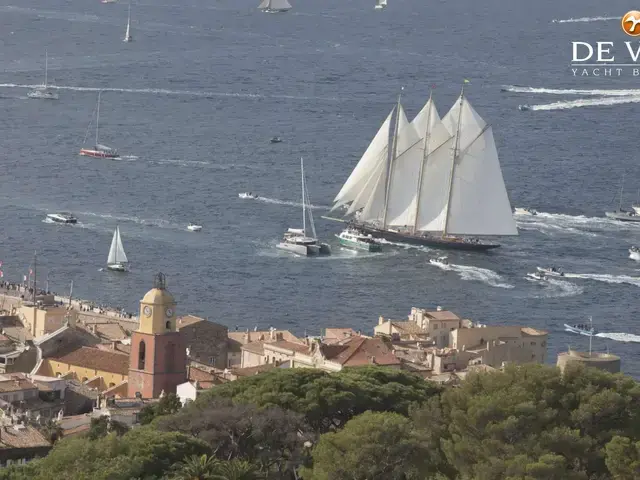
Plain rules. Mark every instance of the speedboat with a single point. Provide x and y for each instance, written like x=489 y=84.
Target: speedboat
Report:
x=524 y=108
x=276 y=140
x=525 y=211
x=100 y=151
x=194 y=228
x=634 y=253
x=581 y=328
x=62 y=217
x=624 y=215
x=636 y=208
x=43 y=93
x=355 y=239
x=295 y=240
x=551 y=271
x=442 y=261
x=537 y=276
x=248 y=195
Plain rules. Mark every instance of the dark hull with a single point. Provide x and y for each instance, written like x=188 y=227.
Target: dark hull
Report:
x=427 y=241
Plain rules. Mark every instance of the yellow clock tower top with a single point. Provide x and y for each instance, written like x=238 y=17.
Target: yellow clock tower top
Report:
x=158 y=309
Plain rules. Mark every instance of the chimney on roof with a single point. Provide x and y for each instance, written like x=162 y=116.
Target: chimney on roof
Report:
x=272 y=333
x=438 y=308
x=380 y=320
x=372 y=360
x=114 y=345
x=359 y=333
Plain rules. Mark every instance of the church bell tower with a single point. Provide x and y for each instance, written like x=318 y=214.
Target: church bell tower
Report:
x=158 y=359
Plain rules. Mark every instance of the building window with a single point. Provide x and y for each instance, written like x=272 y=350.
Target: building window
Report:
x=170 y=357
x=111 y=385
x=168 y=325
x=212 y=360
x=141 y=355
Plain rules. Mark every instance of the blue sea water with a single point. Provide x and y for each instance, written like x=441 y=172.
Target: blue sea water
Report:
x=193 y=101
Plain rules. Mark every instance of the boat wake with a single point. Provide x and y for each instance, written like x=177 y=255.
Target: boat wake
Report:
x=586 y=102
x=160 y=223
x=584 y=19
x=554 y=288
x=477 y=274
x=620 y=337
x=406 y=246
x=603 y=97
x=571 y=91
x=275 y=201
x=549 y=223
x=603 y=277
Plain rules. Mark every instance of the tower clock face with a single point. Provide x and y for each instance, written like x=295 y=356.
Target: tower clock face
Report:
x=147 y=311
x=169 y=312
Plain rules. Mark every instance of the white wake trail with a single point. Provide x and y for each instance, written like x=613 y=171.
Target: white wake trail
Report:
x=570 y=91
x=477 y=274
x=606 y=278
x=620 y=337
x=584 y=19
x=595 y=102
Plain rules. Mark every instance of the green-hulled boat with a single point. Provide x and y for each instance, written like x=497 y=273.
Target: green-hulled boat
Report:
x=356 y=240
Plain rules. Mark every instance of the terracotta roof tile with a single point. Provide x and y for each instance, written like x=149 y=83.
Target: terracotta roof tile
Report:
x=200 y=375
x=246 y=372
x=296 y=347
x=359 y=351
x=96 y=359
x=254 y=347
x=24 y=437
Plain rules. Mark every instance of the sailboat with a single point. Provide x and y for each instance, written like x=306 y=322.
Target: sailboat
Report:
x=43 y=91
x=117 y=259
x=274 y=6
x=295 y=239
x=99 y=151
x=621 y=214
x=127 y=35
x=434 y=183
x=380 y=4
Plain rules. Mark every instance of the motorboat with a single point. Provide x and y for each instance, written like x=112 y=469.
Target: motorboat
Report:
x=276 y=140
x=537 y=276
x=551 y=271
x=357 y=240
x=525 y=211
x=194 y=228
x=524 y=108
x=582 y=329
x=634 y=253
x=248 y=195
x=62 y=217
x=442 y=261
x=296 y=241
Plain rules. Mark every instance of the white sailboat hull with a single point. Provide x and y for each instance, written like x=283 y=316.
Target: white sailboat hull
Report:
x=299 y=249
x=117 y=267
x=43 y=94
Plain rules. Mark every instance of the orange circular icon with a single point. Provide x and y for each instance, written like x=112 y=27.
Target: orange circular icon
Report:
x=631 y=23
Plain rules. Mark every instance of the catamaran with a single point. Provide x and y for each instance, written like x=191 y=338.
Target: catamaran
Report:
x=436 y=182
x=99 y=151
x=275 y=6
x=380 y=4
x=295 y=239
x=127 y=35
x=117 y=260
x=43 y=91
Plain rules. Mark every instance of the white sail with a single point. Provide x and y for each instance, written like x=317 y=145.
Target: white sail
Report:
x=116 y=252
x=264 y=4
x=376 y=150
x=127 y=35
x=279 y=5
x=478 y=203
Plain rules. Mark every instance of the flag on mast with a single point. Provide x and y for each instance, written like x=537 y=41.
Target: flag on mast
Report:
x=467 y=80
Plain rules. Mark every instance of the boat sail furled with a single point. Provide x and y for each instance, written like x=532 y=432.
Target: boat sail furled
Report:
x=438 y=175
x=117 y=259
x=127 y=35
x=274 y=6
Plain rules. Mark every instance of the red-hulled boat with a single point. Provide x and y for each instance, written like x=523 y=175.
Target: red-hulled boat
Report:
x=100 y=151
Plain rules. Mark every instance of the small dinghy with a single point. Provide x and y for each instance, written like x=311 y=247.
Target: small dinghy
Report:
x=194 y=228
x=541 y=277
x=525 y=211
x=442 y=261
x=276 y=140
x=551 y=271
x=634 y=253
x=248 y=195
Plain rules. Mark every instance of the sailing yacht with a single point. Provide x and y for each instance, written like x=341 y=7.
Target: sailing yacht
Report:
x=621 y=214
x=275 y=6
x=295 y=239
x=380 y=4
x=127 y=35
x=43 y=91
x=117 y=259
x=98 y=150
x=434 y=183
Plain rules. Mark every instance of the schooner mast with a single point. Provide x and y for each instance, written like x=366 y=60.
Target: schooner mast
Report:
x=425 y=157
x=391 y=162
x=454 y=157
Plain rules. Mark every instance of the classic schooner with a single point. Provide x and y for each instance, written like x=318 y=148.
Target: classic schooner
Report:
x=436 y=182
